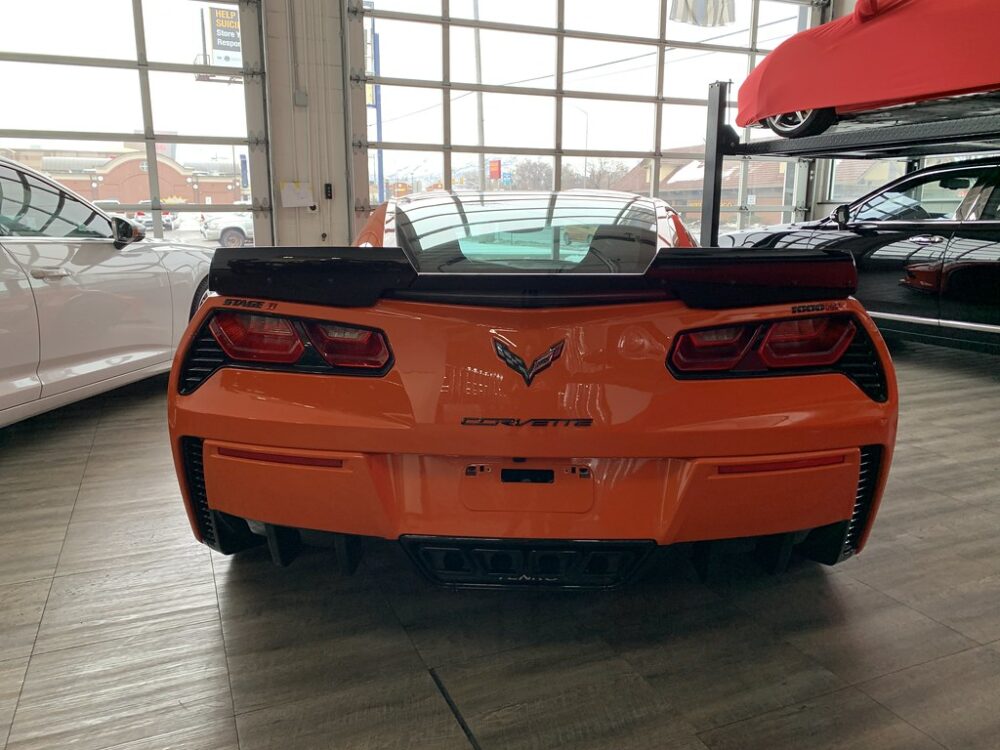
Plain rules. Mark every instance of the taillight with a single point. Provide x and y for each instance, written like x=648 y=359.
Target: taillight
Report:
x=713 y=349
x=347 y=346
x=257 y=338
x=807 y=342
x=756 y=348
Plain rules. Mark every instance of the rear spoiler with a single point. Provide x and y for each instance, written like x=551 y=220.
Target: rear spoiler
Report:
x=707 y=278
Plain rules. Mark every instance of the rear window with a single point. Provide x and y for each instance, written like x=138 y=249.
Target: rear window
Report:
x=528 y=233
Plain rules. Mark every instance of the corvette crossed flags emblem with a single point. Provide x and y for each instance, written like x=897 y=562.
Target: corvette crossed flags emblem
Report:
x=519 y=366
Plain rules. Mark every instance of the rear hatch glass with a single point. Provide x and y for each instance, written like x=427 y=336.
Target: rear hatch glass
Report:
x=528 y=233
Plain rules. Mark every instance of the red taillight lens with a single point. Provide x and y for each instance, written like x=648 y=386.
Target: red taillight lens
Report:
x=807 y=342
x=347 y=346
x=713 y=349
x=257 y=338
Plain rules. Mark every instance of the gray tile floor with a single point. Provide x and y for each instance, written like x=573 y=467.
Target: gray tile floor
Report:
x=118 y=631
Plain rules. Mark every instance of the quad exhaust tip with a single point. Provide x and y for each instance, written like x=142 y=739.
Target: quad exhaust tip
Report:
x=472 y=562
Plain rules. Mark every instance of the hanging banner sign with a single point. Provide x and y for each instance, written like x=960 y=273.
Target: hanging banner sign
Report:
x=224 y=29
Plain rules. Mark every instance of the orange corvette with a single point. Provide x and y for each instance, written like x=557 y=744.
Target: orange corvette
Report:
x=517 y=410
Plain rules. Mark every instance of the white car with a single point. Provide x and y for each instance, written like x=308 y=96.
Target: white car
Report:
x=229 y=229
x=87 y=304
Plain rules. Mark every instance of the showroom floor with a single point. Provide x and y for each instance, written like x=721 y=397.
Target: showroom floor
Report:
x=118 y=630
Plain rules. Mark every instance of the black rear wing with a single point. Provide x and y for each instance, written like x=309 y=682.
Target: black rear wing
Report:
x=707 y=278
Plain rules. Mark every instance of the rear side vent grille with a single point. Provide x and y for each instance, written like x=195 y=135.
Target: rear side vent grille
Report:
x=194 y=471
x=472 y=562
x=871 y=463
x=203 y=358
x=861 y=364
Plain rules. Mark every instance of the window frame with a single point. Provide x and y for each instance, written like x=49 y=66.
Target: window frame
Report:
x=363 y=25
x=256 y=141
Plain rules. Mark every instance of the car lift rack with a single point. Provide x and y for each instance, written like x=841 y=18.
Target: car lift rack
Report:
x=961 y=125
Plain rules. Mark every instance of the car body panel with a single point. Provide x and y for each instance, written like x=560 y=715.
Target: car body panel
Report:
x=19 y=382
x=459 y=437
x=100 y=316
x=936 y=278
x=111 y=313
x=654 y=439
x=854 y=64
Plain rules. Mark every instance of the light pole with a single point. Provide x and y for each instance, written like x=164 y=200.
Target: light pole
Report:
x=586 y=139
x=479 y=97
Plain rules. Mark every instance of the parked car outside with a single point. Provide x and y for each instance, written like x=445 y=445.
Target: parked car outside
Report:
x=229 y=229
x=111 y=206
x=145 y=216
x=86 y=302
x=927 y=248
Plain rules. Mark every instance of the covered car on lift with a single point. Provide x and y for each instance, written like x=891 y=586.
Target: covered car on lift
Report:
x=887 y=53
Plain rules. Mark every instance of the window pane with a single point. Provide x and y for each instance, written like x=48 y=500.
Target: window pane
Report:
x=32 y=208
x=534 y=64
x=393 y=174
x=764 y=218
x=778 y=21
x=936 y=197
x=109 y=174
x=609 y=67
x=188 y=104
x=725 y=22
x=527 y=12
x=194 y=33
x=681 y=185
x=683 y=128
x=65 y=97
x=501 y=172
x=626 y=17
x=202 y=173
x=401 y=49
x=61 y=27
x=509 y=120
x=729 y=221
x=598 y=172
x=770 y=183
x=608 y=126
x=405 y=115
x=687 y=73
x=853 y=178
x=426 y=7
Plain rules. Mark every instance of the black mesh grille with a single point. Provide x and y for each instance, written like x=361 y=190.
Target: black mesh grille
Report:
x=194 y=471
x=203 y=358
x=861 y=364
x=871 y=463
x=472 y=562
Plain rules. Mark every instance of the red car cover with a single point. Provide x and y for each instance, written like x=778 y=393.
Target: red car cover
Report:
x=887 y=52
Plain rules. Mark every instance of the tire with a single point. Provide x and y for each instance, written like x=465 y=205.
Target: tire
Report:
x=803 y=123
x=232 y=238
x=200 y=295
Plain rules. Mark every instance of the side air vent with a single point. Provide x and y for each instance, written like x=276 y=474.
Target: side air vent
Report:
x=495 y=563
x=871 y=463
x=861 y=364
x=194 y=472
x=203 y=358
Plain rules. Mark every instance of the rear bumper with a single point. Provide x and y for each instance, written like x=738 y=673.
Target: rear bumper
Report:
x=661 y=500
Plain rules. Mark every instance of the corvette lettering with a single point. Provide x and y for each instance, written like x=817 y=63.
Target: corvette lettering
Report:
x=511 y=422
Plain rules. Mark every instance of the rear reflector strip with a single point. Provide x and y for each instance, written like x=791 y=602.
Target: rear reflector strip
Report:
x=280 y=458
x=802 y=463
